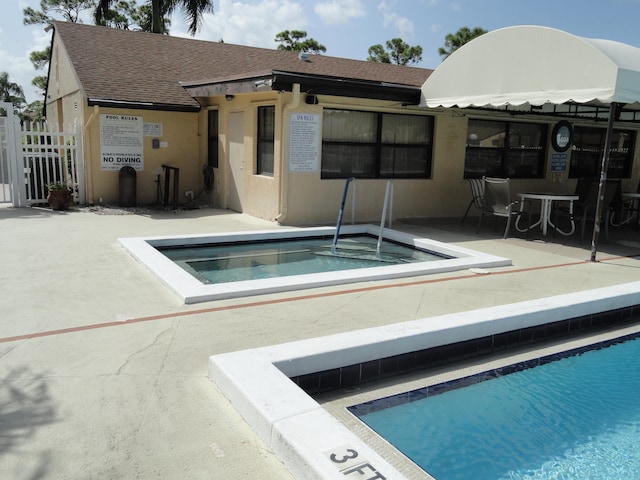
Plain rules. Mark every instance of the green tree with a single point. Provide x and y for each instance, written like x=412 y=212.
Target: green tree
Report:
x=452 y=42
x=40 y=61
x=11 y=92
x=160 y=9
x=127 y=15
x=69 y=10
x=34 y=111
x=397 y=51
x=296 y=41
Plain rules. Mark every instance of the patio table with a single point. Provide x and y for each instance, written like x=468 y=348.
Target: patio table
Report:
x=546 y=207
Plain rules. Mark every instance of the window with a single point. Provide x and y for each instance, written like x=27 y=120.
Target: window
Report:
x=212 y=129
x=505 y=149
x=266 y=133
x=586 y=153
x=375 y=145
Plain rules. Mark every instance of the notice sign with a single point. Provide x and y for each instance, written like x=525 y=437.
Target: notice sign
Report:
x=121 y=142
x=558 y=162
x=304 y=142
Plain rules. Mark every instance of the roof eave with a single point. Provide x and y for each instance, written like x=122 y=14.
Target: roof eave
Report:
x=347 y=87
x=311 y=84
x=105 y=102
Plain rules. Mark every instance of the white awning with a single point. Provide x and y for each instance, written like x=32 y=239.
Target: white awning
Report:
x=531 y=65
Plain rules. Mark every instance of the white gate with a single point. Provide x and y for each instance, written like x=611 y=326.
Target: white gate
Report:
x=39 y=155
x=8 y=157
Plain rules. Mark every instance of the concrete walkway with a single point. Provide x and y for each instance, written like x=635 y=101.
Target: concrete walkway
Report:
x=103 y=371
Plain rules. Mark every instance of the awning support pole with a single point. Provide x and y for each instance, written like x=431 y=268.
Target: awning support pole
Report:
x=613 y=112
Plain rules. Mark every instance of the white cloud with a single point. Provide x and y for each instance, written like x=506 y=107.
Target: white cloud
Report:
x=336 y=11
x=245 y=23
x=401 y=24
x=15 y=48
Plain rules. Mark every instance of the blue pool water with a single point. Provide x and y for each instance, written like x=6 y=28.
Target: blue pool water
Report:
x=223 y=263
x=575 y=418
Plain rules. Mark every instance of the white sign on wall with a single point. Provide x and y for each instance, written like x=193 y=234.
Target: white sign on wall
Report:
x=121 y=142
x=304 y=142
x=152 y=129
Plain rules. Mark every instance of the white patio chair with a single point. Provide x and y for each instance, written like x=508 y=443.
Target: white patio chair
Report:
x=497 y=202
x=477 y=194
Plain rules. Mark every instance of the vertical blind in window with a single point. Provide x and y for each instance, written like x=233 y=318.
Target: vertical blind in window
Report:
x=375 y=145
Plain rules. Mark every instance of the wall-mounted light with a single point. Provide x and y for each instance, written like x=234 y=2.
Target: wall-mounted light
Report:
x=262 y=85
x=228 y=97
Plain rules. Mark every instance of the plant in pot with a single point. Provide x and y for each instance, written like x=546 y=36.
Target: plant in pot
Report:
x=60 y=196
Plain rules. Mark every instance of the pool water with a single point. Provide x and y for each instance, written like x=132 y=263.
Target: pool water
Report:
x=223 y=263
x=573 y=418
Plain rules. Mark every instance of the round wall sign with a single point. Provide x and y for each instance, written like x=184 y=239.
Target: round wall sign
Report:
x=562 y=136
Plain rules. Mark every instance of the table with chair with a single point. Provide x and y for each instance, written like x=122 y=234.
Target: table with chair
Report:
x=493 y=195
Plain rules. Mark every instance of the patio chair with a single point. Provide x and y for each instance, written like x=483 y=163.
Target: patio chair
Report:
x=585 y=186
x=585 y=208
x=497 y=202
x=477 y=194
x=611 y=193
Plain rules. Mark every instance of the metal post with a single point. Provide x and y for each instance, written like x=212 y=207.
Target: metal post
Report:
x=613 y=111
x=387 y=195
x=340 y=213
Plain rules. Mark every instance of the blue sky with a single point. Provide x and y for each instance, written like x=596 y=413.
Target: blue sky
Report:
x=349 y=27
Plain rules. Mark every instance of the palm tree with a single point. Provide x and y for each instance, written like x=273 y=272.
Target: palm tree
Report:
x=193 y=9
x=10 y=91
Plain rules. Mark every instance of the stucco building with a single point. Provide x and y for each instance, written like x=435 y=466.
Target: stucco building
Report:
x=275 y=134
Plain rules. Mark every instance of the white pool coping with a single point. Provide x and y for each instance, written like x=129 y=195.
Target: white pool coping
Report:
x=304 y=436
x=191 y=290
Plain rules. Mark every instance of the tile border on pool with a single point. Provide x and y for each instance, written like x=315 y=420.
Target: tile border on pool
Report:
x=191 y=290
x=397 y=399
x=307 y=438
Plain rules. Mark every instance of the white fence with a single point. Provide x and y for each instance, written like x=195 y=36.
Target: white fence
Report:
x=39 y=155
x=6 y=187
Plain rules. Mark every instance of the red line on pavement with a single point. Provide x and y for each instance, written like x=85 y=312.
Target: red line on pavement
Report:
x=61 y=331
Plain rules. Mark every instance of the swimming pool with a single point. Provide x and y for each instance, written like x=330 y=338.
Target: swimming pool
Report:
x=570 y=416
x=269 y=386
x=191 y=288
x=241 y=261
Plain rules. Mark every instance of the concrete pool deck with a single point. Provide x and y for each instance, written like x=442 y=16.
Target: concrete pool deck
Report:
x=104 y=370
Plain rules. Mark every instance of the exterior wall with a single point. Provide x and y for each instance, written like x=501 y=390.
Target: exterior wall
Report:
x=62 y=81
x=179 y=147
x=261 y=192
x=308 y=199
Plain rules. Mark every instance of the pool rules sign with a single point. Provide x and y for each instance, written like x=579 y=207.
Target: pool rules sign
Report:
x=121 y=142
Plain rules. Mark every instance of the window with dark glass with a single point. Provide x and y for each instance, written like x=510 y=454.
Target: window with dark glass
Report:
x=587 y=151
x=266 y=135
x=375 y=145
x=212 y=136
x=505 y=149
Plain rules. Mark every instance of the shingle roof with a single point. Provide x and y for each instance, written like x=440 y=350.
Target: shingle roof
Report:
x=126 y=66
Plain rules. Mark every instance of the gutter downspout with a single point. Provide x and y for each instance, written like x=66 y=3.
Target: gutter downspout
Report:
x=284 y=165
x=87 y=154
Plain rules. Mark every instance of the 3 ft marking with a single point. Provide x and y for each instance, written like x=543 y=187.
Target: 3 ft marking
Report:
x=349 y=462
